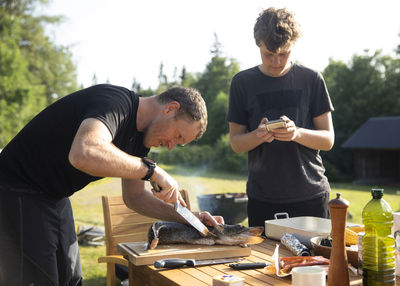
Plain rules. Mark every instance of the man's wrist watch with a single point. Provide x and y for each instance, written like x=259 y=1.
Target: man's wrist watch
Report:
x=151 y=164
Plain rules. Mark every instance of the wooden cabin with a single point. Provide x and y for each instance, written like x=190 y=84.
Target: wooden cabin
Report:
x=376 y=151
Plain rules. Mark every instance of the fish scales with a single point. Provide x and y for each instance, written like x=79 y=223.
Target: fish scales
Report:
x=165 y=232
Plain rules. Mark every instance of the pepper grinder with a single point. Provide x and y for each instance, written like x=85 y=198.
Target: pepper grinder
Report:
x=338 y=269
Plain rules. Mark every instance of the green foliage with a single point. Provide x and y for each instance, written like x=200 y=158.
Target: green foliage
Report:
x=18 y=102
x=227 y=160
x=187 y=79
x=367 y=87
x=216 y=77
x=214 y=85
x=20 y=7
x=33 y=71
x=217 y=157
x=49 y=65
x=191 y=155
x=217 y=124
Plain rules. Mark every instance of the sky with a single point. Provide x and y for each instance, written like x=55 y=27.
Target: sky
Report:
x=119 y=40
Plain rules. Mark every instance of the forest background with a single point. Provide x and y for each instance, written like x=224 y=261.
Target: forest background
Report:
x=34 y=72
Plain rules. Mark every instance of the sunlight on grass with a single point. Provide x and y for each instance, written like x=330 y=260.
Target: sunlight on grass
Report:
x=359 y=196
x=88 y=209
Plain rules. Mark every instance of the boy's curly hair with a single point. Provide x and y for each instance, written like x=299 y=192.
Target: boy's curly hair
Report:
x=276 y=28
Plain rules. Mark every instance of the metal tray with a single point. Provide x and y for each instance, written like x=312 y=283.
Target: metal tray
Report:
x=303 y=227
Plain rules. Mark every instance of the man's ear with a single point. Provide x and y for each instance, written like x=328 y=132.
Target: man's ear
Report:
x=172 y=106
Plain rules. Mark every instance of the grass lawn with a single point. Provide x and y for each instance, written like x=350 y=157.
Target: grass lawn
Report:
x=88 y=210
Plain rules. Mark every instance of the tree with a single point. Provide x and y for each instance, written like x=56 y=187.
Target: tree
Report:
x=217 y=125
x=94 y=79
x=187 y=79
x=33 y=71
x=19 y=7
x=49 y=64
x=216 y=79
x=367 y=87
x=183 y=75
x=137 y=88
x=135 y=85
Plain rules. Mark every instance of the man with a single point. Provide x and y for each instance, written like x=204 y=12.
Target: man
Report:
x=286 y=173
x=101 y=131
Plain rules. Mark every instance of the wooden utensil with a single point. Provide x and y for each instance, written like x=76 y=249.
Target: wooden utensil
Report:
x=338 y=274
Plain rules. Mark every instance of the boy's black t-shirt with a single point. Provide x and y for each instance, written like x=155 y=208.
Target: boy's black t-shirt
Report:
x=281 y=172
x=37 y=158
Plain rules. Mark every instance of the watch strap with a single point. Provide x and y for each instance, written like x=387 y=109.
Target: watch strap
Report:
x=151 y=165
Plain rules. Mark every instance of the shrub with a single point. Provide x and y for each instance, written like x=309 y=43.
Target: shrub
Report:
x=218 y=157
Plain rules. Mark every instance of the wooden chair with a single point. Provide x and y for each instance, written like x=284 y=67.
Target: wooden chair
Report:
x=123 y=225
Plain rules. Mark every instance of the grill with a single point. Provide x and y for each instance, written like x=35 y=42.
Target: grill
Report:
x=232 y=206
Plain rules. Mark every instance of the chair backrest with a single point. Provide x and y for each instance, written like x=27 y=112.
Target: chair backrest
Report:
x=125 y=225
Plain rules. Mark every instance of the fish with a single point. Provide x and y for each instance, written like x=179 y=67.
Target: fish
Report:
x=167 y=232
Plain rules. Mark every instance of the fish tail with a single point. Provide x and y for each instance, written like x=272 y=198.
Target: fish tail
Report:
x=254 y=240
x=156 y=230
x=154 y=243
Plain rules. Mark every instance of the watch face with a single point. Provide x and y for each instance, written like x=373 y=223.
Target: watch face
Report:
x=149 y=161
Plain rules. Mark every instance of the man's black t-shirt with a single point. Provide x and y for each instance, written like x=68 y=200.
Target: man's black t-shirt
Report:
x=37 y=158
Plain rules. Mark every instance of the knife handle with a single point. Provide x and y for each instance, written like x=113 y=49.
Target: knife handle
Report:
x=155 y=186
x=158 y=189
x=251 y=265
x=173 y=263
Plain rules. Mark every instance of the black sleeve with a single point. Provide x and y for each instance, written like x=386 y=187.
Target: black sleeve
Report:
x=237 y=97
x=321 y=102
x=111 y=106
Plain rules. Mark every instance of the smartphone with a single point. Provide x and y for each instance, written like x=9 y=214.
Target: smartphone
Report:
x=273 y=124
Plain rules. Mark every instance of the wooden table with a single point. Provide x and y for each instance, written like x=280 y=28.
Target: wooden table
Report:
x=202 y=276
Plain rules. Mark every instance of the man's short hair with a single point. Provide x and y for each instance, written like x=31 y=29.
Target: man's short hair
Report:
x=192 y=105
x=276 y=28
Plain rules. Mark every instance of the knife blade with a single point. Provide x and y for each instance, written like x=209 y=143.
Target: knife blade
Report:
x=190 y=218
x=186 y=214
x=172 y=263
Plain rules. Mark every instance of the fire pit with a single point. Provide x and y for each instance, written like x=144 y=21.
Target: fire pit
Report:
x=232 y=206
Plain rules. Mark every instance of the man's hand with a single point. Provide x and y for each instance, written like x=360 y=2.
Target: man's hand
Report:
x=169 y=196
x=169 y=192
x=208 y=219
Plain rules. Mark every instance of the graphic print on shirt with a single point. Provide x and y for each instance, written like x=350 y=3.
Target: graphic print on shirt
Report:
x=277 y=103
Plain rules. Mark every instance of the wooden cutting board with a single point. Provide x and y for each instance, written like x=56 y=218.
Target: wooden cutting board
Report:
x=138 y=254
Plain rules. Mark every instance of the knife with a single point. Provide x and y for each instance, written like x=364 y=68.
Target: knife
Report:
x=250 y=265
x=186 y=214
x=172 y=263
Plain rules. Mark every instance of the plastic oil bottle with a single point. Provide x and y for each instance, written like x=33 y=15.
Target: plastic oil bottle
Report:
x=378 y=245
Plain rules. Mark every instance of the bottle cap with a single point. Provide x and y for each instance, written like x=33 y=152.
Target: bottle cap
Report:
x=377 y=193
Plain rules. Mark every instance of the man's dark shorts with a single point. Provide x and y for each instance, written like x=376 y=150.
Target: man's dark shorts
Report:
x=38 y=244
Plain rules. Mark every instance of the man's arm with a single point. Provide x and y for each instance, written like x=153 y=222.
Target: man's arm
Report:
x=92 y=152
x=136 y=197
x=139 y=199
